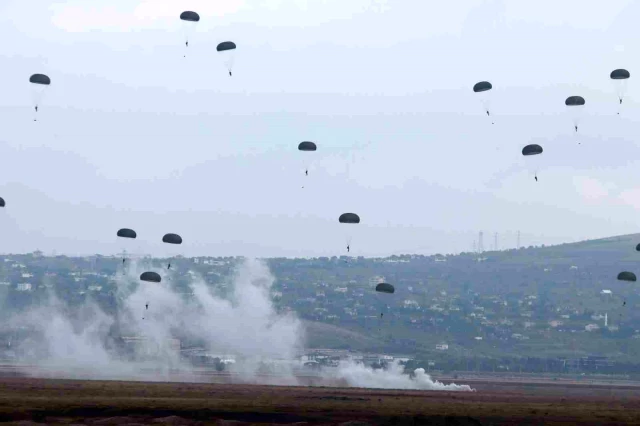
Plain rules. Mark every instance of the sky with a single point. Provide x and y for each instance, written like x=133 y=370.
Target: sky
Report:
x=131 y=133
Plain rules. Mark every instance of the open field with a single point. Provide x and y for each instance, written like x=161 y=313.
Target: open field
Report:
x=106 y=403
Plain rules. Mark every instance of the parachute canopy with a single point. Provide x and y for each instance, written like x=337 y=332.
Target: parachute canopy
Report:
x=482 y=86
x=127 y=233
x=307 y=146
x=2 y=204
x=532 y=149
x=226 y=45
x=574 y=101
x=620 y=74
x=172 y=239
x=349 y=218
x=637 y=247
x=627 y=276
x=385 y=288
x=40 y=79
x=152 y=277
x=189 y=16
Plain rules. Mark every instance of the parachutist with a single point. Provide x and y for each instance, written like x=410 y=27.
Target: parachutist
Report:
x=576 y=127
x=146 y=306
x=620 y=101
x=230 y=74
x=169 y=266
x=348 y=249
x=624 y=303
x=536 y=178
x=36 y=107
x=488 y=115
x=187 y=43
x=306 y=172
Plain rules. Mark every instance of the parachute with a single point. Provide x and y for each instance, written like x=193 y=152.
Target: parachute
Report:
x=574 y=101
x=306 y=146
x=127 y=233
x=172 y=239
x=575 y=105
x=152 y=277
x=2 y=203
x=228 y=51
x=627 y=276
x=349 y=218
x=385 y=288
x=620 y=79
x=382 y=292
x=189 y=20
x=637 y=247
x=190 y=16
x=531 y=150
x=39 y=83
x=40 y=79
x=483 y=88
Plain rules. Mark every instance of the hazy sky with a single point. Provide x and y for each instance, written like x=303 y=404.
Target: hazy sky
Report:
x=132 y=134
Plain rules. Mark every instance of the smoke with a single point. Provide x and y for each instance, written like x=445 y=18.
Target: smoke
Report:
x=392 y=377
x=240 y=322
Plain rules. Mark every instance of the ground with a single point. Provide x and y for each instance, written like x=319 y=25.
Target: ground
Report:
x=105 y=403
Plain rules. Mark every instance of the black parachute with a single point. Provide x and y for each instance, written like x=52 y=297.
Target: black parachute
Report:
x=385 y=288
x=172 y=239
x=152 y=277
x=627 y=276
x=227 y=51
x=349 y=218
x=40 y=79
x=40 y=84
x=620 y=78
x=482 y=86
x=226 y=45
x=307 y=146
x=637 y=247
x=127 y=233
x=532 y=149
x=574 y=101
x=2 y=203
x=620 y=74
x=575 y=105
x=190 y=16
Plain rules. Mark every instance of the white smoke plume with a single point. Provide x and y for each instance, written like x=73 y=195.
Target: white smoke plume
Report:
x=392 y=377
x=76 y=343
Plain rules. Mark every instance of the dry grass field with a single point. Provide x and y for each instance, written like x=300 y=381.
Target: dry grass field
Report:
x=105 y=403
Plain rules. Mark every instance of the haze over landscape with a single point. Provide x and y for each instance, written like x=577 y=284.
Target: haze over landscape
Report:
x=267 y=211
x=163 y=143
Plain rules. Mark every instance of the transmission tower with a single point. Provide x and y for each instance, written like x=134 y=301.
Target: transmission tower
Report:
x=480 y=242
x=518 y=243
x=495 y=242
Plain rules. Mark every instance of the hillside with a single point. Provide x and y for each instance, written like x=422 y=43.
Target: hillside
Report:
x=501 y=306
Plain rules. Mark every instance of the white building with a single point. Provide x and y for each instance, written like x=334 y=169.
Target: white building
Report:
x=442 y=347
x=24 y=287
